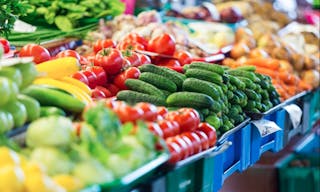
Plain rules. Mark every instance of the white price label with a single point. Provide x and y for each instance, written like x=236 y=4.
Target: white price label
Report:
x=295 y=114
x=266 y=127
x=23 y=27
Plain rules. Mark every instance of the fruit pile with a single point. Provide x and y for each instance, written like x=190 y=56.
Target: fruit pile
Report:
x=222 y=96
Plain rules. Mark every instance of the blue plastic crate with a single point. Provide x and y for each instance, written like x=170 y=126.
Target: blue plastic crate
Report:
x=272 y=142
x=233 y=159
x=309 y=145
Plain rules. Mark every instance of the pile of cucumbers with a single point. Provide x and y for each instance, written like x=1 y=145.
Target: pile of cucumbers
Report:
x=221 y=95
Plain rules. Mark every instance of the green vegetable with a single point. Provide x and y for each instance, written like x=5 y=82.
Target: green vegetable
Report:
x=200 y=86
x=189 y=99
x=136 y=97
x=143 y=87
x=158 y=81
x=205 y=75
x=208 y=66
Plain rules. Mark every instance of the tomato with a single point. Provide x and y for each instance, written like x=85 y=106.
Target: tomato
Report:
x=132 y=57
x=162 y=111
x=210 y=132
x=97 y=94
x=103 y=43
x=189 y=143
x=144 y=59
x=92 y=78
x=128 y=45
x=134 y=37
x=112 y=88
x=100 y=74
x=69 y=53
x=185 y=152
x=169 y=128
x=155 y=129
x=81 y=77
x=114 y=104
x=110 y=60
x=149 y=111
x=128 y=113
x=184 y=57
x=106 y=92
x=204 y=139
x=130 y=73
x=168 y=62
x=175 y=152
x=5 y=44
x=196 y=141
x=163 y=44
x=187 y=118
x=39 y=53
x=84 y=61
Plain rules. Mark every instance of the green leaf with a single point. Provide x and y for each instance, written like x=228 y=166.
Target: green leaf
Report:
x=63 y=23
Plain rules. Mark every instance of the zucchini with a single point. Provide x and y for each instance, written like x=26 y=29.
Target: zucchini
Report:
x=208 y=67
x=189 y=99
x=158 y=81
x=205 y=75
x=200 y=86
x=133 y=97
x=174 y=76
x=143 y=87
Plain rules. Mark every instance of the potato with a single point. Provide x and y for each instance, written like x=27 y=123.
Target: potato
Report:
x=312 y=77
x=239 y=49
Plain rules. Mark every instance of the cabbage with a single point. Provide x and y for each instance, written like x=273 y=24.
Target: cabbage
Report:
x=52 y=160
x=49 y=131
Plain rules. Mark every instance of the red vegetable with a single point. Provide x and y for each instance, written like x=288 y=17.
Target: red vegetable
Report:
x=163 y=44
x=187 y=118
x=110 y=60
x=103 y=43
x=210 y=132
x=5 y=44
x=39 y=53
x=69 y=53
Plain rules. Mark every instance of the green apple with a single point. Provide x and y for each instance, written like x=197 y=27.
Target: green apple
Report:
x=18 y=112
x=13 y=74
x=5 y=90
x=6 y=121
x=29 y=73
x=32 y=107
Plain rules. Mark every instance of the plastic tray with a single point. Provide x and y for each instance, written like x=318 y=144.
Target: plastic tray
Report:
x=309 y=145
x=311 y=110
x=132 y=179
x=233 y=130
x=272 y=142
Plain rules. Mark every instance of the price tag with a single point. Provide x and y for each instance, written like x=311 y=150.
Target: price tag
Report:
x=295 y=114
x=266 y=127
x=23 y=27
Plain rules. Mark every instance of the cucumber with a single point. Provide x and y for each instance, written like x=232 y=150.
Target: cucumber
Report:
x=158 y=81
x=249 y=84
x=259 y=106
x=265 y=95
x=174 y=76
x=189 y=99
x=250 y=105
x=238 y=119
x=233 y=112
x=237 y=82
x=50 y=97
x=225 y=79
x=165 y=93
x=133 y=97
x=264 y=108
x=247 y=68
x=200 y=86
x=243 y=97
x=230 y=94
x=208 y=67
x=204 y=75
x=252 y=95
x=248 y=74
x=218 y=87
x=216 y=106
x=214 y=121
x=235 y=100
x=143 y=87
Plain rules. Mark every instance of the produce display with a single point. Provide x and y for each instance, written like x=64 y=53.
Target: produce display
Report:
x=140 y=92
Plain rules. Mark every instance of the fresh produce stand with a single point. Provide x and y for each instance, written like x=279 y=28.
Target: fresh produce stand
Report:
x=93 y=99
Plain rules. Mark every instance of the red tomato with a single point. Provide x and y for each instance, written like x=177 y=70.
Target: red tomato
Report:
x=182 y=144
x=103 y=43
x=204 y=139
x=144 y=59
x=110 y=60
x=112 y=88
x=196 y=141
x=128 y=113
x=114 y=104
x=210 y=132
x=128 y=45
x=92 y=78
x=39 y=53
x=190 y=144
x=132 y=57
x=175 y=152
x=163 y=44
x=84 y=61
x=81 y=77
x=155 y=129
x=187 y=118
x=169 y=128
x=130 y=73
x=184 y=57
x=100 y=74
x=5 y=44
x=106 y=92
x=69 y=53
x=169 y=63
x=97 y=94
x=149 y=111
x=134 y=37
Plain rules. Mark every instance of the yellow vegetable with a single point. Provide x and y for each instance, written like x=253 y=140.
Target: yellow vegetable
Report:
x=58 y=68
x=69 y=182
x=9 y=157
x=77 y=83
x=73 y=90
x=11 y=179
x=41 y=183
